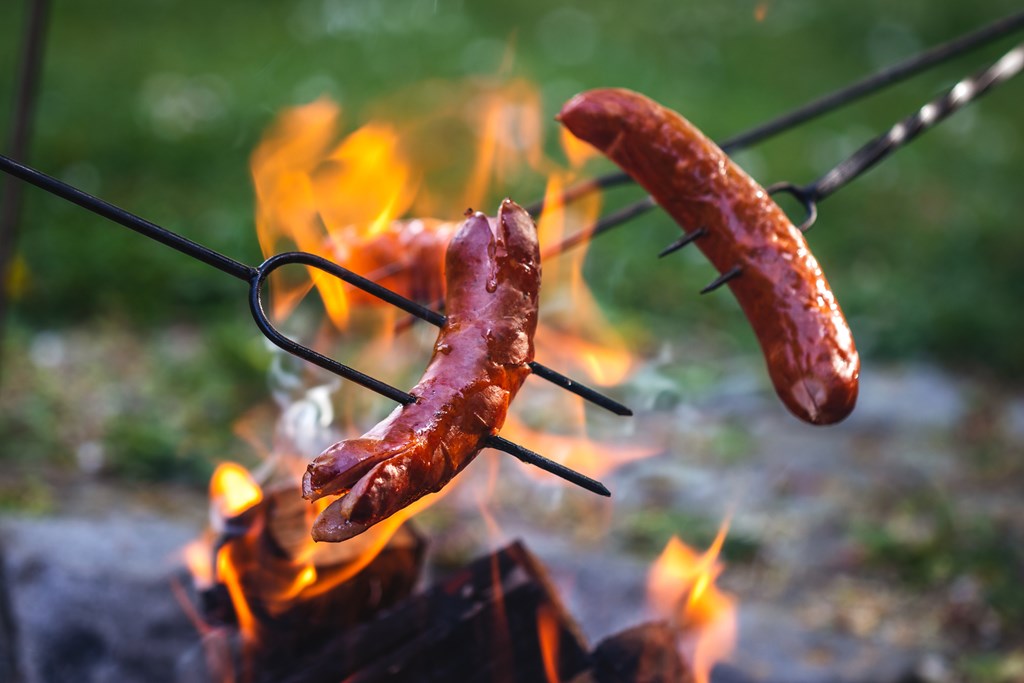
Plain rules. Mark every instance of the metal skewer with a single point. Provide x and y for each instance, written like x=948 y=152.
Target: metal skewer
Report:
x=823 y=105
x=865 y=158
x=759 y=133
x=255 y=277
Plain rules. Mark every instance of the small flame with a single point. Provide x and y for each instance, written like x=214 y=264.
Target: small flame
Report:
x=574 y=333
x=229 y=576
x=548 y=633
x=576 y=151
x=681 y=588
x=370 y=544
x=574 y=449
x=233 y=490
x=511 y=134
x=199 y=562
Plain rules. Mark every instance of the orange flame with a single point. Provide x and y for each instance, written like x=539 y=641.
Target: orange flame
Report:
x=574 y=337
x=575 y=449
x=326 y=201
x=196 y=556
x=233 y=490
x=574 y=331
x=548 y=633
x=344 y=203
x=681 y=588
x=576 y=151
x=228 y=575
x=370 y=543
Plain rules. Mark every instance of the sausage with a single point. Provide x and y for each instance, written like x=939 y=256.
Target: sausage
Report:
x=806 y=341
x=405 y=256
x=480 y=360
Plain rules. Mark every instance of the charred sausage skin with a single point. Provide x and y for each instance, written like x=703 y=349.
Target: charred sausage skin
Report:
x=480 y=361
x=806 y=341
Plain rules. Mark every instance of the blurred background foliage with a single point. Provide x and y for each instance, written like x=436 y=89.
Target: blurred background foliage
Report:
x=156 y=106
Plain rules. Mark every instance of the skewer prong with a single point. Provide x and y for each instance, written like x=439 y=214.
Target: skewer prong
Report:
x=725 y=277
x=683 y=241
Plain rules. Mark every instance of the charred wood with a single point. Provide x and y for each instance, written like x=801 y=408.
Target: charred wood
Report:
x=482 y=624
x=263 y=545
x=644 y=654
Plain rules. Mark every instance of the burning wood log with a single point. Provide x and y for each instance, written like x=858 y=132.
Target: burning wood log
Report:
x=285 y=596
x=648 y=653
x=482 y=624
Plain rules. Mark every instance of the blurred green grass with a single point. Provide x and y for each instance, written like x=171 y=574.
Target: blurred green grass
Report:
x=156 y=105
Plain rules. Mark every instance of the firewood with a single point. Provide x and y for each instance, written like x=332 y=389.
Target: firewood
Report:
x=479 y=625
x=287 y=623
x=648 y=653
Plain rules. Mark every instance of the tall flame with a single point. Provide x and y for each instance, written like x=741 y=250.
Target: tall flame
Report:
x=326 y=201
x=344 y=201
x=681 y=588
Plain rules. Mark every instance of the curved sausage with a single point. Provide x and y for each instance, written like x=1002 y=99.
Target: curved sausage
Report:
x=406 y=256
x=806 y=342
x=480 y=360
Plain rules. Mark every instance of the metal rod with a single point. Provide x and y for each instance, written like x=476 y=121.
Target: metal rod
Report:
x=257 y=276
x=528 y=456
x=384 y=389
x=304 y=352
x=127 y=219
x=879 y=80
x=963 y=93
x=612 y=220
x=430 y=316
x=826 y=104
x=29 y=71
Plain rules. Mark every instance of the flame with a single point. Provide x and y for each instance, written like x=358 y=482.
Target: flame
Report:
x=574 y=337
x=233 y=490
x=576 y=151
x=681 y=588
x=241 y=564
x=199 y=562
x=574 y=331
x=228 y=575
x=344 y=202
x=575 y=450
x=548 y=633
x=370 y=544
x=326 y=201
x=510 y=134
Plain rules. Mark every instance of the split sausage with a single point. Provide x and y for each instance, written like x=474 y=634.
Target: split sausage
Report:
x=480 y=361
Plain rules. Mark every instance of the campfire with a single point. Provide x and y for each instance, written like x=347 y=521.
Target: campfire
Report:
x=275 y=604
